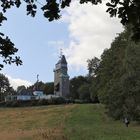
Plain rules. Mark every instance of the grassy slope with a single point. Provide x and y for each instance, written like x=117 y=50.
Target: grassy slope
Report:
x=76 y=122
x=88 y=122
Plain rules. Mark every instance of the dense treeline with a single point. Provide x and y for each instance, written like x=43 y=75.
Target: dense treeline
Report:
x=82 y=88
x=118 y=77
x=114 y=79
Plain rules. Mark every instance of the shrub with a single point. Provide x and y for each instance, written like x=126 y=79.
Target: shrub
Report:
x=15 y=104
x=42 y=102
x=55 y=101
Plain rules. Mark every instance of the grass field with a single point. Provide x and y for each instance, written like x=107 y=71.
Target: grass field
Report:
x=63 y=122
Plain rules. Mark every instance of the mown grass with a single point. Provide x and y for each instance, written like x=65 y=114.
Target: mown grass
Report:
x=63 y=122
x=89 y=122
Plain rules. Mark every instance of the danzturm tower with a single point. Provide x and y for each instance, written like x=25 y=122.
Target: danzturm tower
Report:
x=61 y=78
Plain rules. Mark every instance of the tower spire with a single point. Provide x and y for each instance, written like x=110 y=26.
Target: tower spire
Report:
x=61 y=53
x=37 y=78
x=37 y=81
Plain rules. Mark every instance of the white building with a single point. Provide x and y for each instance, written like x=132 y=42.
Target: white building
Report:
x=36 y=95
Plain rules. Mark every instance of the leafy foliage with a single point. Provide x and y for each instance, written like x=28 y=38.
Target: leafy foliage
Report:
x=119 y=80
x=20 y=89
x=5 y=88
x=75 y=84
x=93 y=65
x=47 y=88
x=127 y=10
x=84 y=93
x=7 y=50
x=51 y=10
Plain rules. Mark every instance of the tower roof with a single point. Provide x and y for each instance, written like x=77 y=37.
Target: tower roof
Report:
x=63 y=60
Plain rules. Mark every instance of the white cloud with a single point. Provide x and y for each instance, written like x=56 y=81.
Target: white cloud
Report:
x=91 y=30
x=15 y=82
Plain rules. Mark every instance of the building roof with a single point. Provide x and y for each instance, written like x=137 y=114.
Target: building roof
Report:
x=63 y=60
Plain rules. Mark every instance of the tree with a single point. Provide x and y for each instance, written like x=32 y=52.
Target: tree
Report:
x=84 y=92
x=93 y=89
x=20 y=88
x=7 y=50
x=131 y=81
x=49 y=88
x=119 y=80
x=127 y=10
x=75 y=84
x=37 y=86
x=5 y=88
x=93 y=65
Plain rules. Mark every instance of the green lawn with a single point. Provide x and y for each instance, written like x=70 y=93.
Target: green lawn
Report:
x=63 y=122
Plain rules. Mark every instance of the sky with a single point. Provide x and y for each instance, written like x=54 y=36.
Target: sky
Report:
x=82 y=32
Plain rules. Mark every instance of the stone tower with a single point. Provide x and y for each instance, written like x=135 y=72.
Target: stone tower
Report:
x=61 y=78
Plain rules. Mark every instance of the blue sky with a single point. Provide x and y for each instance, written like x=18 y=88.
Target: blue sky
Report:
x=82 y=34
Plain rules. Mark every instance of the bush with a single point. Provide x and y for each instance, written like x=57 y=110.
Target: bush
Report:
x=12 y=104
x=2 y=104
x=31 y=103
x=60 y=100
x=15 y=104
x=8 y=104
x=55 y=101
x=42 y=102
